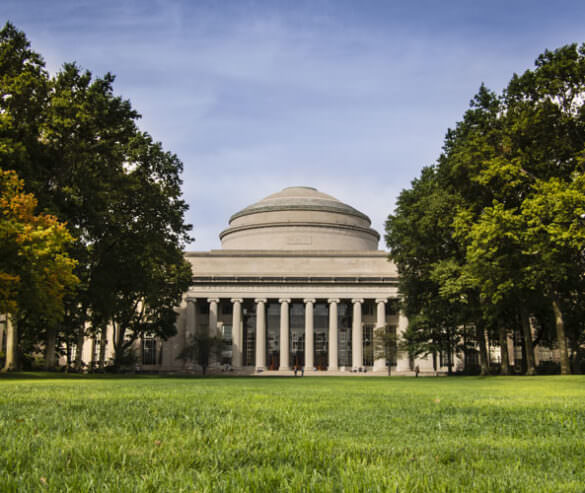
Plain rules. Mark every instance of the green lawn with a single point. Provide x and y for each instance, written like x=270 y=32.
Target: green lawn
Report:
x=322 y=434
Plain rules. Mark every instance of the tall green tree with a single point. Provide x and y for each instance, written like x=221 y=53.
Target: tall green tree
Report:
x=513 y=167
x=35 y=270
x=78 y=147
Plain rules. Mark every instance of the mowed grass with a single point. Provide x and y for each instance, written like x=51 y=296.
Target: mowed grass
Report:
x=292 y=434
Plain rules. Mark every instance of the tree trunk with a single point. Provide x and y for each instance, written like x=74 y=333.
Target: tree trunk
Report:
x=561 y=337
x=2 y=335
x=449 y=356
x=102 y=357
x=505 y=357
x=528 y=346
x=11 y=362
x=92 y=363
x=79 y=348
x=51 y=349
x=483 y=353
x=67 y=356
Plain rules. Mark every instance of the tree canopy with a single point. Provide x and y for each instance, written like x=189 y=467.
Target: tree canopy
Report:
x=494 y=230
x=79 y=151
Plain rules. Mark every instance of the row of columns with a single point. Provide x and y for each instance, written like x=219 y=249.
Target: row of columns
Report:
x=237 y=335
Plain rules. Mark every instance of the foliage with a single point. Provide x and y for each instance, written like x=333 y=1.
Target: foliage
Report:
x=386 y=345
x=511 y=239
x=79 y=150
x=35 y=269
x=203 y=350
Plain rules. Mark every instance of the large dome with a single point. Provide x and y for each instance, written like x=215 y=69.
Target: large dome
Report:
x=299 y=218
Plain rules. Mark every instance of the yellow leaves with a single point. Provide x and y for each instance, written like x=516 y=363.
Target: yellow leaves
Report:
x=33 y=248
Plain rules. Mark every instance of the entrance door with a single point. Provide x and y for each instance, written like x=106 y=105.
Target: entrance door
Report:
x=321 y=335
x=297 y=334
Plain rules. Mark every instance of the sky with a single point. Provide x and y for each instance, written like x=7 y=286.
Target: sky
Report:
x=350 y=97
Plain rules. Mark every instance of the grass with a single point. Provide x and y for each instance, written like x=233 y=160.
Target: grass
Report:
x=323 y=434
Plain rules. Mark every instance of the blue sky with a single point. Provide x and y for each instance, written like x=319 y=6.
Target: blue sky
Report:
x=351 y=97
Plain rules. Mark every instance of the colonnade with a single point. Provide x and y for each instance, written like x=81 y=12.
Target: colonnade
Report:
x=260 y=364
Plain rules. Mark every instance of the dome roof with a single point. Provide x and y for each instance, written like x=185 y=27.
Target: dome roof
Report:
x=300 y=198
x=299 y=218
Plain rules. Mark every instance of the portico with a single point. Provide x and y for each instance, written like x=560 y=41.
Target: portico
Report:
x=353 y=349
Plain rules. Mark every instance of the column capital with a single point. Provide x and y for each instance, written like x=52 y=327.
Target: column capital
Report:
x=284 y=300
x=237 y=300
x=381 y=300
x=191 y=299
x=333 y=300
x=357 y=300
x=260 y=300
x=212 y=300
x=309 y=300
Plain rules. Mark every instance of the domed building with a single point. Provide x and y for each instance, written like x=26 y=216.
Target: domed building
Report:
x=299 y=282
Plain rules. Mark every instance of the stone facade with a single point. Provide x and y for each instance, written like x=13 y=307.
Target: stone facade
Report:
x=299 y=282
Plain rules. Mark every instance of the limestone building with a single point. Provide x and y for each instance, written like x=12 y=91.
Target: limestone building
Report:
x=299 y=281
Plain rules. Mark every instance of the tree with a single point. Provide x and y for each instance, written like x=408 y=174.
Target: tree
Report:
x=554 y=235
x=386 y=344
x=513 y=238
x=148 y=274
x=80 y=152
x=35 y=269
x=202 y=350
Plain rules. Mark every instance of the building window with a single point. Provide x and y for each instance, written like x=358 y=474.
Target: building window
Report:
x=148 y=350
x=368 y=345
x=368 y=308
x=444 y=358
x=321 y=335
x=344 y=327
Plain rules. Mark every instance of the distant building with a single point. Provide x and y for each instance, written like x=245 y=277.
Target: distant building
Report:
x=299 y=282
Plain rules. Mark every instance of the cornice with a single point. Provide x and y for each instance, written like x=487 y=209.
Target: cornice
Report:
x=288 y=224
x=340 y=209
x=291 y=253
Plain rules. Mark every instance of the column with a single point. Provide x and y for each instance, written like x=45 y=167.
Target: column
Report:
x=284 y=334
x=309 y=334
x=190 y=327
x=237 y=335
x=533 y=330
x=333 y=334
x=379 y=332
x=357 y=345
x=190 y=319
x=260 y=333
x=213 y=302
x=402 y=362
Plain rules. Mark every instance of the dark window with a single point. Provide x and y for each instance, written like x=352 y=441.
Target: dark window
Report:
x=368 y=308
x=149 y=351
x=368 y=345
